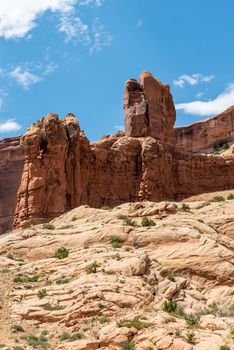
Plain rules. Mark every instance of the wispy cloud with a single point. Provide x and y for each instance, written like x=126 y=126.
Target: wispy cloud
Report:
x=24 y=77
x=3 y=95
x=212 y=107
x=193 y=79
x=74 y=29
x=9 y=125
x=16 y=21
x=119 y=127
x=100 y=37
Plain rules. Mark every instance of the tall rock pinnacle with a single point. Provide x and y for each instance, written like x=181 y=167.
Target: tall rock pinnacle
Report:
x=149 y=108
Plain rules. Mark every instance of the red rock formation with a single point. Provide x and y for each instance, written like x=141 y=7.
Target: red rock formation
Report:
x=205 y=135
x=11 y=167
x=63 y=170
x=149 y=108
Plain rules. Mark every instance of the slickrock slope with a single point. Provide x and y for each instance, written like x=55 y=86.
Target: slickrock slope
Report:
x=206 y=135
x=11 y=167
x=119 y=285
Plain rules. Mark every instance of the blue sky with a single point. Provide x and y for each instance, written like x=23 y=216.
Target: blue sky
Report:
x=75 y=55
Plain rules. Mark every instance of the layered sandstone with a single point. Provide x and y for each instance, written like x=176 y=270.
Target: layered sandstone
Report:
x=100 y=288
x=11 y=167
x=207 y=135
x=149 y=108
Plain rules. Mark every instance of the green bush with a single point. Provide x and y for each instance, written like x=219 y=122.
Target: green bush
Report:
x=127 y=346
x=184 y=207
x=92 y=268
x=41 y=293
x=61 y=253
x=51 y=307
x=62 y=280
x=145 y=222
x=127 y=221
x=218 y=199
x=224 y=347
x=41 y=341
x=25 y=279
x=48 y=226
x=134 y=323
x=230 y=196
x=16 y=328
x=71 y=337
x=116 y=242
x=190 y=337
x=170 y=306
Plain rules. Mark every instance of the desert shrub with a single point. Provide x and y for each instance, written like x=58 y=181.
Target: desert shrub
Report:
x=61 y=253
x=2 y=345
x=5 y=271
x=12 y=257
x=103 y=319
x=74 y=218
x=170 y=275
x=184 y=207
x=170 y=306
x=145 y=222
x=230 y=196
x=226 y=146
x=25 y=279
x=178 y=332
x=134 y=323
x=41 y=293
x=51 y=307
x=169 y=320
x=105 y=207
x=224 y=347
x=16 y=328
x=218 y=199
x=127 y=346
x=62 y=280
x=191 y=320
x=116 y=242
x=18 y=348
x=41 y=341
x=71 y=337
x=216 y=152
x=92 y=268
x=48 y=226
x=232 y=333
x=127 y=221
x=190 y=337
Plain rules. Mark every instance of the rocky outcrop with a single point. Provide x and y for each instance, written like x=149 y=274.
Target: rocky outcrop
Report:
x=207 y=135
x=149 y=108
x=11 y=167
x=63 y=170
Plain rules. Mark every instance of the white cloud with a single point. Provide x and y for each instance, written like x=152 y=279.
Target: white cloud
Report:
x=200 y=94
x=24 y=77
x=17 y=20
x=50 y=68
x=139 y=23
x=101 y=38
x=9 y=125
x=193 y=79
x=74 y=28
x=3 y=95
x=212 y=107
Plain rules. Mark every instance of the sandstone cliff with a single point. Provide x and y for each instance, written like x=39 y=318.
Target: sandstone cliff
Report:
x=11 y=167
x=207 y=135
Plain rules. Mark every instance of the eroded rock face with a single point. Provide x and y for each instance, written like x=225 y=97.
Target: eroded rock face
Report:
x=149 y=108
x=205 y=135
x=11 y=167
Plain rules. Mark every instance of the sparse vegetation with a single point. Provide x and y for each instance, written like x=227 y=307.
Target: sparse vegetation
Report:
x=74 y=218
x=169 y=320
x=170 y=306
x=145 y=222
x=51 y=307
x=136 y=322
x=92 y=268
x=116 y=242
x=41 y=293
x=37 y=342
x=18 y=348
x=25 y=279
x=105 y=207
x=62 y=280
x=16 y=328
x=70 y=337
x=48 y=226
x=170 y=275
x=218 y=199
x=230 y=196
x=103 y=319
x=12 y=257
x=184 y=207
x=190 y=337
x=127 y=221
x=127 y=346
x=61 y=253
x=224 y=347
